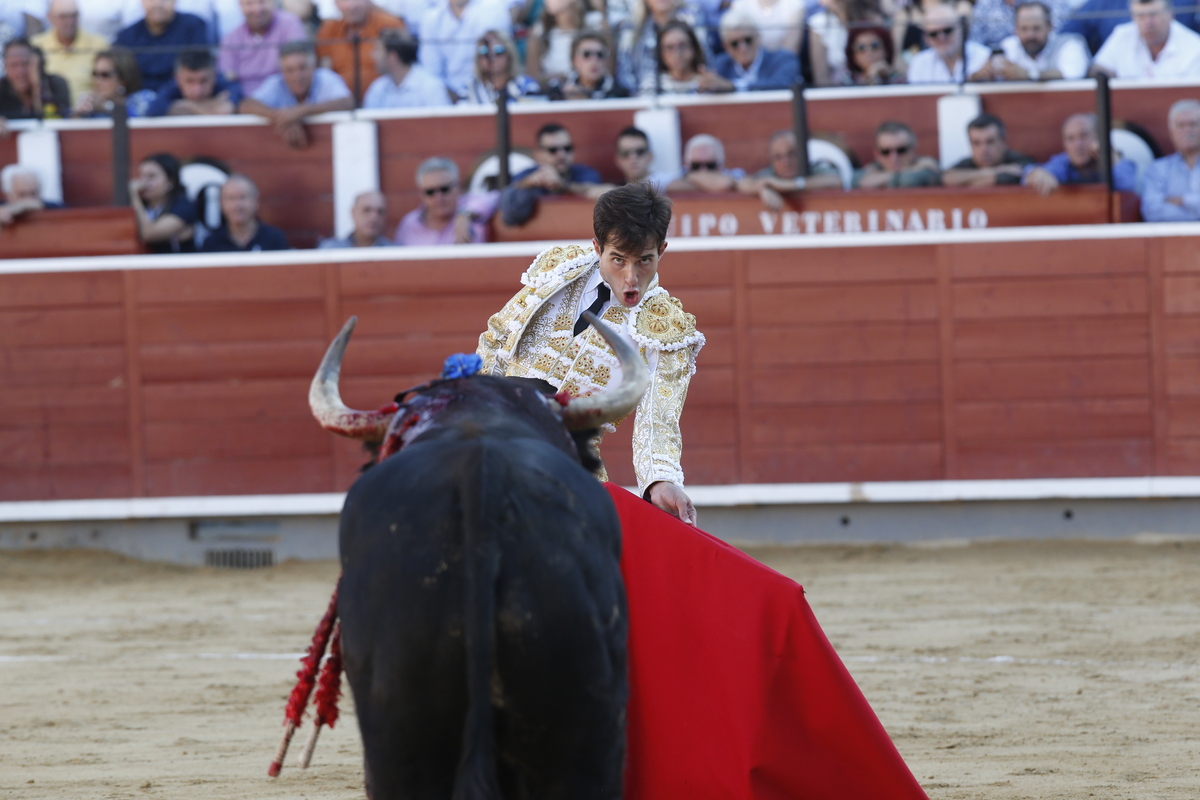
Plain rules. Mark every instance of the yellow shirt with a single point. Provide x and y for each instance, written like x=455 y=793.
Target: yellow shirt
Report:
x=73 y=63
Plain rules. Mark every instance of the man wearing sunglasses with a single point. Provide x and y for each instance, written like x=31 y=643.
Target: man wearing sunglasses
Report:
x=445 y=216
x=556 y=173
x=540 y=332
x=941 y=62
x=896 y=164
x=746 y=66
x=704 y=167
x=634 y=157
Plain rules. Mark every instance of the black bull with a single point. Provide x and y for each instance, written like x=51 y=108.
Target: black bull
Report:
x=482 y=609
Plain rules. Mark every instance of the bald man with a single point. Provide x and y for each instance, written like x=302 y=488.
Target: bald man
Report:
x=241 y=231
x=370 y=218
x=68 y=48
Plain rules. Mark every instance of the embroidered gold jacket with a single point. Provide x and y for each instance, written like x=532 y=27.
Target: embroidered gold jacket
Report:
x=531 y=337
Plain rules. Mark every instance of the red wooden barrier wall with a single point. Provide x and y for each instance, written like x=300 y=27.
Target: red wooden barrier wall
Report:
x=958 y=359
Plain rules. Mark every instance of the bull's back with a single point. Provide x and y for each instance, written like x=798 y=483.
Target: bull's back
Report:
x=559 y=648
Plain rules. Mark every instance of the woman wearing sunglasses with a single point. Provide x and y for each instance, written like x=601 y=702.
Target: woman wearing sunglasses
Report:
x=870 y=54
x=114 y=75
x=589 y=78
x=828 y=32
x=549 y=53
x=496 y=72
x=680 y=62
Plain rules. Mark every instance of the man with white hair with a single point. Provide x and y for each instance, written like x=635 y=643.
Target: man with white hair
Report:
x=1154 y=45
x=942 y=61
x=704 y=167
x=746 y=66
x=68 y=49
x=22 y=192
x=445 y=216
x=1171 y=188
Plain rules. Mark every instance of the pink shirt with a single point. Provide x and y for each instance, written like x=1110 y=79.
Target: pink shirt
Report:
x=413 y=231
x=253 y=58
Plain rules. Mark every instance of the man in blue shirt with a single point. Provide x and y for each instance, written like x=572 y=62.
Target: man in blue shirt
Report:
x=556 y=173
x=300 y=89
x=1079 y=163
x=746 y=65
x=1095 y=20
x=157 y=39
x=1171 y=192
x=196 y=89
x=241 y=230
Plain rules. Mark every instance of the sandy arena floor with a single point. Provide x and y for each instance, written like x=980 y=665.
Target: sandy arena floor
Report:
x=1012 y=670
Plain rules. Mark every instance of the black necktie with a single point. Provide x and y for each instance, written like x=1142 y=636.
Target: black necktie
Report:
x=602 y=295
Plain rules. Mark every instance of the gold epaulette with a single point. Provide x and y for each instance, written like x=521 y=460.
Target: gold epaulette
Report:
x=554 y=256
x=663 y=320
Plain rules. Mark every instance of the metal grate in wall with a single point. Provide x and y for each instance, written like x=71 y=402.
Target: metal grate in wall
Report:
x=239 y=558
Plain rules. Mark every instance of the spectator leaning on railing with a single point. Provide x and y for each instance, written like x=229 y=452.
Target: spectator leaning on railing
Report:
x=993 y=20
x=556 y=173
x=196 y=88
x=782 y=175
x=69 y=49
x=991 y=162
x=402 y=82
x=1154 y=45
x=22 y=189
x=1079 y=162
x=250 y=52
x=300 y=90
x=157 y=38
x=896 y=164
x=1171 y=188
x=704 y=167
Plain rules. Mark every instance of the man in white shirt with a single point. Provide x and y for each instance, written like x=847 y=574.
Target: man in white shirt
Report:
x=448 y=36
x=1036 y=52
x=941 y=62
x=402 y=82
x=1154 y=45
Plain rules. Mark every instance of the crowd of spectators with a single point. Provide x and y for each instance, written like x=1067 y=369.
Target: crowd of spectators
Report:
x=287 y=60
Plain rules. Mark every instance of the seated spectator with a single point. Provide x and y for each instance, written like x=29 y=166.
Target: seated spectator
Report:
x=780 y=23
x=196 y=89
x=496 y=72
x=549 y=50
x=241 y=230
x=1080 y=163
x=369 y=213
x=300 y=90
x=704 y=167
x=1171 y=189
x=828 y=32
x=746 y=67
x=681 y=67
x=870 y=57
x=157 y=38
x=1035 y=52
x=991 y=162
x=994 y=20
x=25 y=91
x=634 y=158
x=637 y=36
x=588 y=78
x=363 y=21
x=445 y=216
x=896 y=164
x=114 y=77
x=402 y=82
x=942 y=61
x=250 y=52
x=69 y=50
x=451 y=33
x=22 y=189
x=1095 y=20
x=782 y=176
x=1154 y=45
x=556 y=173
x=165 y=216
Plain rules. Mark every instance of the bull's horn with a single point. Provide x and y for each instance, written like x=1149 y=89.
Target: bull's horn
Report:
x=594 y=410
x=326 y=401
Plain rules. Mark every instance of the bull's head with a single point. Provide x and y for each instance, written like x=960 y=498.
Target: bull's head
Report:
x=578 y=414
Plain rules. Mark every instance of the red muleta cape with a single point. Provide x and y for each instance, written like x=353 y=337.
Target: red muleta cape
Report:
x=735 y=693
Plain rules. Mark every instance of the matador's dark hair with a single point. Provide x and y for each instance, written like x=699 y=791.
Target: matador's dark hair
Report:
x=630 y=217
